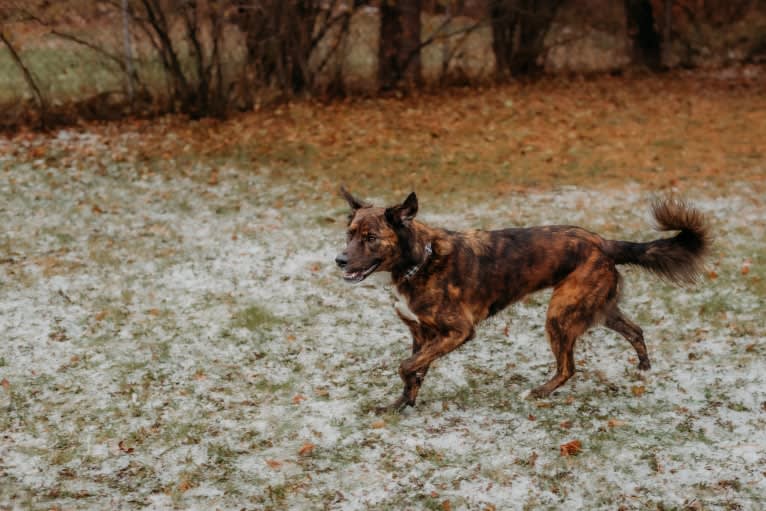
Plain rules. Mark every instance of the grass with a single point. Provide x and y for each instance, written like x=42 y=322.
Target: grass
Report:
x=254 y=318
x=208 y=338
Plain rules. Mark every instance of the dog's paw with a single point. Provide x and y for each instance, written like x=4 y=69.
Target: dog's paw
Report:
x=396 y=407
x=644 y=365
x=538 y=393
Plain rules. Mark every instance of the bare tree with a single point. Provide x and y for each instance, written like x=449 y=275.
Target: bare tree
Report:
x=519 y=28
x=282 y=35
x=399 y=52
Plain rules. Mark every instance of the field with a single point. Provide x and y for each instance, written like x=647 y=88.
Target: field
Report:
x=175 y=334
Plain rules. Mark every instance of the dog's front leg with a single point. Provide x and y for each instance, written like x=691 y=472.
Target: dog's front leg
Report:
x=413 y=370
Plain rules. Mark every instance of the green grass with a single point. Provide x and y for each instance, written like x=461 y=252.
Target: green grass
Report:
x=255 y=318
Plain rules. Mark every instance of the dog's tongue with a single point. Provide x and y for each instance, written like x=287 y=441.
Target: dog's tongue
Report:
x=355 y=275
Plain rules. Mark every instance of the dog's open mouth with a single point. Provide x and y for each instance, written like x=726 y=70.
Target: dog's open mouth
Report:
x=358 y=276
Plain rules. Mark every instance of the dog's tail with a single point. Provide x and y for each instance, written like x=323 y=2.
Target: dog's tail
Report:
x=678 y=259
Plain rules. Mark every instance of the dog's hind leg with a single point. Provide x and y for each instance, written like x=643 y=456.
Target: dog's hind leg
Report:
x=576 y=304
x=616 y=320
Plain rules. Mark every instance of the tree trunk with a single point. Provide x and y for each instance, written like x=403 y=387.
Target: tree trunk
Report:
x=399 y=53
x=519 y=28
x=644 y=35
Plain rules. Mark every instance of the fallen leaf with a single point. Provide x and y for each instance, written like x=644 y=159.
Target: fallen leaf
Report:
x=570 y=448
x=322 y=392
x=531 y=417
x=532 y=459
x=100 y=315
x=446 y=506
x=153 y=312
x=185 y=485
x=638 y=390
x=58 y=336
x=306 y=449
x=378 y=424
x=712 y=275
x=297 y=398
x=275 y=464
x=124 y=448
x=5 y=384
x=567 y=424
x=199 y=374
x=615 y=423
x=213 y=180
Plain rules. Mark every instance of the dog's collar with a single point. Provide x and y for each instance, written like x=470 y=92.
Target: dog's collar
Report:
x=413 y=270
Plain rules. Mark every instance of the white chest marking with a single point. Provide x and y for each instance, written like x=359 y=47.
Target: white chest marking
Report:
x=402 y=306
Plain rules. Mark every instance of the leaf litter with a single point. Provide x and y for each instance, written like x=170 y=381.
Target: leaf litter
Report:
x=189 y=344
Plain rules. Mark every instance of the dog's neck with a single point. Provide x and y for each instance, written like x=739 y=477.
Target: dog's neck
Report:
x=418 y=251
x=427 y=251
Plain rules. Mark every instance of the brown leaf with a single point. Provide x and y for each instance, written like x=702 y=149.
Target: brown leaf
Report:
x=213 y=180
x=306 y=449
x=567 y=424
x=100 y=315
x=570 y=448
x=297 y=398
x=712 y=275
x=124 y=448
x=378 y=424
x=615 y=423
x=446 y=506
x=275 y=464
x=5 y=384
x=638 y=390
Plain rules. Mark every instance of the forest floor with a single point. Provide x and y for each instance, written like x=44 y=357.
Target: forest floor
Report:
x=175 y=333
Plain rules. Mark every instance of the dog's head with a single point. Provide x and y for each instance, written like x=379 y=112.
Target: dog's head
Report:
x=376 y=237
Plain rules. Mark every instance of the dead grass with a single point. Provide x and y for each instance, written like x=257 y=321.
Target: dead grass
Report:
x=675 y=131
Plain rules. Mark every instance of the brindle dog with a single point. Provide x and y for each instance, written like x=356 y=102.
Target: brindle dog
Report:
x=451 y=281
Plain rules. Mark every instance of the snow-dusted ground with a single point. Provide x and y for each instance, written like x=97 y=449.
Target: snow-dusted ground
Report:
x=166 y=343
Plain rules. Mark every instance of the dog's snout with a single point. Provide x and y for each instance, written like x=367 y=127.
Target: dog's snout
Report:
x=341 y=260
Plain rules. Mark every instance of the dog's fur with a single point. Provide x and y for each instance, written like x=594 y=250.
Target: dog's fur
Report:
x=453 y=280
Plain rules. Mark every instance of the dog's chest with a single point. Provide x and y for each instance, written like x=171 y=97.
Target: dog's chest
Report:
x=402 y=306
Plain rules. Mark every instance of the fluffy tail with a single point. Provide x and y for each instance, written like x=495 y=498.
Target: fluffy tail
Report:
x=678 y=259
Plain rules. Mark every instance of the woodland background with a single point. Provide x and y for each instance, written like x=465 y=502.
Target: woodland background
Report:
x=69 y=60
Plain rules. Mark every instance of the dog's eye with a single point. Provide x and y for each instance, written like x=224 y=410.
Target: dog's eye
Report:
x=370 y=238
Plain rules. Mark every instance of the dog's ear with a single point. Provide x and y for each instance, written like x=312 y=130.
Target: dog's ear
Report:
x=404 y=212
x=352 y=201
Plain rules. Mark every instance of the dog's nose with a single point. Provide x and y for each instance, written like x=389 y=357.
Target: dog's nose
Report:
x=341 y=260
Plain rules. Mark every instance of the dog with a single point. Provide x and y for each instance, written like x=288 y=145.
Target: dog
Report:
x=450 y=281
